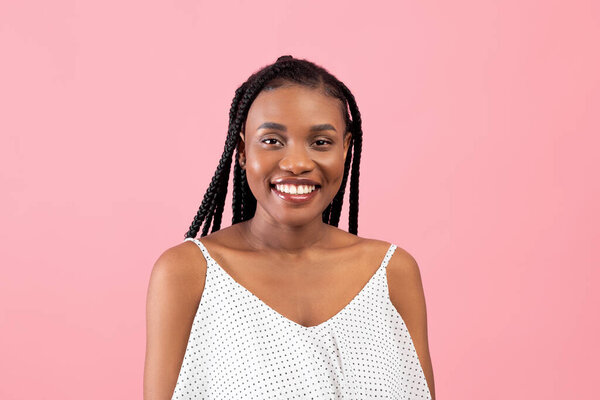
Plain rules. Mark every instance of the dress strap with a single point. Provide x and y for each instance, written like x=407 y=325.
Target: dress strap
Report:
x=388 y=255
x=202 y=248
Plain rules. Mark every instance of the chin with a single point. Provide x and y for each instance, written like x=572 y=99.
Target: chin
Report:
x=296 y=218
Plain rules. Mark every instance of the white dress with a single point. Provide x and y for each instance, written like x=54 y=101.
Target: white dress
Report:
x=240 y=348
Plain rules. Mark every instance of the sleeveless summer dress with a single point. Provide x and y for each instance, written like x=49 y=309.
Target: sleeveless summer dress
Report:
x=240 y=348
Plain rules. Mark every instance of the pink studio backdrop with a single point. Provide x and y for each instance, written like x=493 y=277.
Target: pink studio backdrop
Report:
x=481 y=122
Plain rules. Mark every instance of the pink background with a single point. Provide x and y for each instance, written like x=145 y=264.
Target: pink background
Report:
x=481 y=122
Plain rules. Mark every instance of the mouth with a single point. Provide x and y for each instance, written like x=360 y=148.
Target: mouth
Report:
x=295 y=193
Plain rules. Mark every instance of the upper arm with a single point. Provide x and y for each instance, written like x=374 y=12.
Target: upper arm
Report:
x=174 y=292
x=408 y=297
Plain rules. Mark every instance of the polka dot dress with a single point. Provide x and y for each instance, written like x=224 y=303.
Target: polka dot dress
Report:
x=240 y=348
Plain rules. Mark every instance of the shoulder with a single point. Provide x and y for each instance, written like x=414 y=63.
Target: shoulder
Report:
x=372 y=251
x=401 y=262
x=405 y=284
x=408 y=297
x=183 y=266
x=403 y=276
x=177 y=281
x=179 y=264
x=379 y=248
x=174 y=291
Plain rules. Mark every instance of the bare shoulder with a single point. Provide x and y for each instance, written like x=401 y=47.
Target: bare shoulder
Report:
x=182 y=266
x=184 y=258
x=174 y=292
x=408 y=297
x=401 y=262
x=406 y=290
x=373 y=248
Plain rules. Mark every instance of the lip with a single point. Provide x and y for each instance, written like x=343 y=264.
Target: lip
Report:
x=295 y=198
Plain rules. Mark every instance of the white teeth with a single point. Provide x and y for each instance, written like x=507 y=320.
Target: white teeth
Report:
x=293 y=189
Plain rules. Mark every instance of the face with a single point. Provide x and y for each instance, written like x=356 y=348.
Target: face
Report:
x=292 y=133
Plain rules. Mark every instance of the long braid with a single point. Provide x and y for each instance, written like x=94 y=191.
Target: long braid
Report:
x=338 y=200
x=233 y=130
x=357 y=134
x=356 y=147
x=286 y=68
x=207 y=201
x=223 y=170
x=236 y=200
x=220 y=200
x=219 y=203
x=248 y=199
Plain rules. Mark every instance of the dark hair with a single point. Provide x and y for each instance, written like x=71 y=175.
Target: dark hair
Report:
x=285 y=69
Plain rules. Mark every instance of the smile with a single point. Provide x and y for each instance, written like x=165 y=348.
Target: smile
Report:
x=295 y=193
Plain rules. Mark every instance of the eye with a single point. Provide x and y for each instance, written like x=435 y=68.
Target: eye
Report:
x=323 y=141
x=264 y=140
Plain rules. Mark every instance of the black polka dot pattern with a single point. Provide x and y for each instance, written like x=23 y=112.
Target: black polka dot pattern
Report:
x=240 y=348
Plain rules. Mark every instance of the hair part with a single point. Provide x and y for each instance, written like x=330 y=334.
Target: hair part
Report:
x=286 y=70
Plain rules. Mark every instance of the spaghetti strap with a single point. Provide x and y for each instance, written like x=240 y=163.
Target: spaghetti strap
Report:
x=207 y=256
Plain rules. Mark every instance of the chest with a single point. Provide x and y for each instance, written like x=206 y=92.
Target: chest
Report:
x=307 y=292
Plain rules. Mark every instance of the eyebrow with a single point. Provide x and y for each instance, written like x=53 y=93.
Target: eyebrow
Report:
x=280 y=127
x=272 y=125
x=323 y=127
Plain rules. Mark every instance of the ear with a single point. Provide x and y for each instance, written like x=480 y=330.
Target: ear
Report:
x=241 y=148
x=347 y=140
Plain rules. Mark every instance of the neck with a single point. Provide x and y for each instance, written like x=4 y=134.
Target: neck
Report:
x=266 y=234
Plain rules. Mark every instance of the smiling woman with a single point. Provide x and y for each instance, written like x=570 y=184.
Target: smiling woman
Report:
x=294 y=136
x=282 y=303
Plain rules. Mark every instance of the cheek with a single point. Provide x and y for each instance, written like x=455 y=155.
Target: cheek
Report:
x=259 y=167
x=253 y=173
x=260 y=162
x=333 y=165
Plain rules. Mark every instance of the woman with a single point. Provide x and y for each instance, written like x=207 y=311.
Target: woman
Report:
x=283 y=304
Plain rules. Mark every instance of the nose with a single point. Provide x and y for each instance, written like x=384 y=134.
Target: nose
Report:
x=296 y=160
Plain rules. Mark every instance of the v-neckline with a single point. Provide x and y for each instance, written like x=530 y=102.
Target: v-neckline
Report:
x=277 y=314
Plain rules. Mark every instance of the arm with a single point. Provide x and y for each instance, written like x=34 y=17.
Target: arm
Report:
x=406 y=294
x=174 y=292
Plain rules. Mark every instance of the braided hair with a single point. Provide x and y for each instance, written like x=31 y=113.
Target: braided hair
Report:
x=285 y=70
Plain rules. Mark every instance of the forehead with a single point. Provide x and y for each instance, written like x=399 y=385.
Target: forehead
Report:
x=295 y=104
